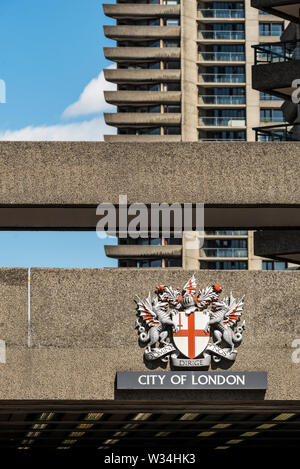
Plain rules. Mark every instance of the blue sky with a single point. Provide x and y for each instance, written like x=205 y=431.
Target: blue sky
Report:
x=50 y=51
x=51 y=60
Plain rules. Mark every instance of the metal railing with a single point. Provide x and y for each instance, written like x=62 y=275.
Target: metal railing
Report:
x=222 y=77
x=222 y=56
x=222 y=99
x=221 y=35
x=225 y=252
x=222 y=121
x=278 y=133
x=220 y=13
x=273 y=52
x=226 y=232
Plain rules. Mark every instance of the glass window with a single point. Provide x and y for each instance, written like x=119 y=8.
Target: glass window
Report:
x=274 y=265
x=270 y=29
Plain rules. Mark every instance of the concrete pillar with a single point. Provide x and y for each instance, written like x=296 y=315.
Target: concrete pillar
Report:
x=252 y=96
x=254 y=262
x=189 y=71
x=190 y=250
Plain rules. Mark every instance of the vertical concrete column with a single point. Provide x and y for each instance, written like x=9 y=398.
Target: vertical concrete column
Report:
x=252 y=96
x=189 y=71
x=190 y=250
x=189 y=110
x=254 y=262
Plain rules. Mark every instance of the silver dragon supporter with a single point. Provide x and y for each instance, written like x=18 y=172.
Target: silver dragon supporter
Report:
x=189 y=329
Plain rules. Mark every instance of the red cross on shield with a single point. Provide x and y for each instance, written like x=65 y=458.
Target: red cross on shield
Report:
x=191 y=338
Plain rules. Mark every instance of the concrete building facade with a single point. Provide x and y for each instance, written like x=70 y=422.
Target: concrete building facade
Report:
x=67 y=333
x=183 y=73
x=276 y=71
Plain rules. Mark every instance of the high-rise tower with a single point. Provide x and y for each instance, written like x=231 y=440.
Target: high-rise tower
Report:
x=183 y=73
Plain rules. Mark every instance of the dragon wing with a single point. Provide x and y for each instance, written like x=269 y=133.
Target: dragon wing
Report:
x=235 y=309
x=146 y=311
x=170 y=295
x=207 y=296
x=190 y=286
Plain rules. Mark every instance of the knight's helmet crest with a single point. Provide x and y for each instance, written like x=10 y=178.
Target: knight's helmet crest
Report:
x=189 y=300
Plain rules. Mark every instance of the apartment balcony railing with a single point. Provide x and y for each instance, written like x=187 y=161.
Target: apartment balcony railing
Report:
x=220 y=13
x=226 y=232
x=274 y=52
x=222 y=35
x=278 y=133
x=222 y=121
x=222 y=56
x=220 y=99
x=225 y=252
x=222 y=78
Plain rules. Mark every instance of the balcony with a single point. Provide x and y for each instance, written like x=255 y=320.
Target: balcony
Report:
x=276 y=78
x=221 y=57
x=123 y=11
x=222 y=78
x=279 y=245
x=140 y=33
x=221 y=35
x=222 y=100
x=222 y=122
x=225 y=252
x=142 y=97
x=286 y=9
x=143 y=252
x=141 y=76
x=137 y=119
x=220 y=13
x=275 y=52
x=278 y=133
x=141 y=54
x=142 y=138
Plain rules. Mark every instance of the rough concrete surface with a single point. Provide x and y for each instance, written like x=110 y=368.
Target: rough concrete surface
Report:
x=83 y=331
x=89 y=173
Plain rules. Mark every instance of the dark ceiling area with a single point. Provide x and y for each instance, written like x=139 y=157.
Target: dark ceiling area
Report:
x=226 y=426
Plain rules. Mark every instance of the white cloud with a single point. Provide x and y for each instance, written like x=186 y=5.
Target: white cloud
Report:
x=91 y=100
x=92 y=130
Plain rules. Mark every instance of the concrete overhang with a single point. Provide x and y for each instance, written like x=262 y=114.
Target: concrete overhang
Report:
x=143 y=252
x=276 y=78
x=58 y=185
x=138 y=33
x=141 y=54
x=290 y=33
x=136 y=119
x=141 y=76
x=121 y=11
x=282 y=245
x=286 y=9
x=142 y=97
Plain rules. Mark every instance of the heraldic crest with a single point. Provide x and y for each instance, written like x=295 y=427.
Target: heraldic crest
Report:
x=189 y=328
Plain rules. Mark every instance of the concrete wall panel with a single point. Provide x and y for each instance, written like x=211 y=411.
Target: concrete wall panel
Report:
x=82 y=332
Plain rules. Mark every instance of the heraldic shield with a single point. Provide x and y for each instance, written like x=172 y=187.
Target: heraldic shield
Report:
x=190 y=328
x=192 y=337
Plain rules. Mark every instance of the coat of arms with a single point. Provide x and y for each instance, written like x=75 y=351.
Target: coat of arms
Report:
x=192 y=327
